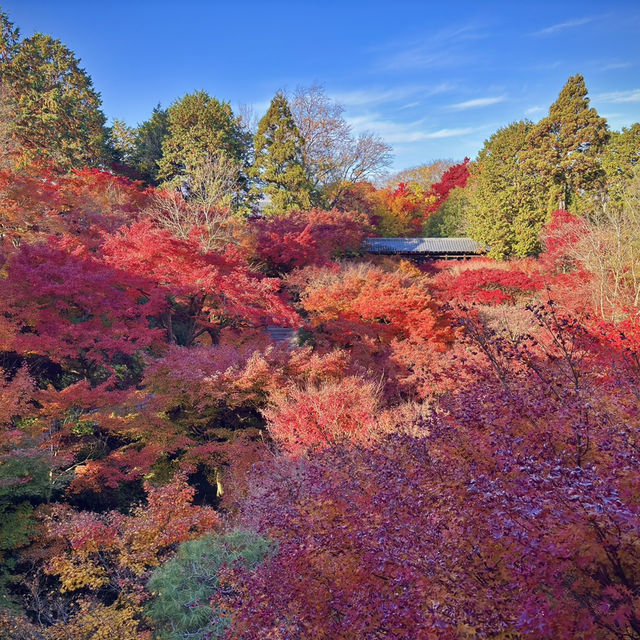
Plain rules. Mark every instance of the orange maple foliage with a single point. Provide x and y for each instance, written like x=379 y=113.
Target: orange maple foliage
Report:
x=386 y=321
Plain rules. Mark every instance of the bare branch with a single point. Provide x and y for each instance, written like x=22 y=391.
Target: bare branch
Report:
x=207 y=206
x=332 y=155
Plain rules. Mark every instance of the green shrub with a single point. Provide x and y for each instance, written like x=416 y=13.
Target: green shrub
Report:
x=183 y=586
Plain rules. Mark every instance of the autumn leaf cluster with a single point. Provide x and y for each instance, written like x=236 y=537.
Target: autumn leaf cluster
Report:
x=220 y=418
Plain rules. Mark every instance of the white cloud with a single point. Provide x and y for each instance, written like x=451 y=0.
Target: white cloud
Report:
x=444 y=48
x=561 y=26
x=632 y=95
x=398 y=133
x=533 y=110
x=478 y=102
x=363 y=97
x=443 y=87
x=448 y=133
x=373 y=96
x=612 y=66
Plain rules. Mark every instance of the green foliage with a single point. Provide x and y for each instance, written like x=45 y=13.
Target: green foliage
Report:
x=199 y=127
x=621 y=157
x=58 y=115
x=449 y=220
x=23 y=476
x=565 y=147
x=506 y=202
x=122 y=140
x=24 y=481
x=183 y=586
x=278 y=163
x=17 y=527
x=9 y=38
x=148 y=145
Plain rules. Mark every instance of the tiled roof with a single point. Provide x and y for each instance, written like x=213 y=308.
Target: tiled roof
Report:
x=423 y=245
x=281 y=334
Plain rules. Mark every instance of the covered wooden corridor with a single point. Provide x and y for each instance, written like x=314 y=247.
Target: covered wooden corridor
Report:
x=425 y=248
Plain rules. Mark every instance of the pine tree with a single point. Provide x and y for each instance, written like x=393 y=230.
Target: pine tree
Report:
x=184 y=587
x=506 y=203
x=57 y=113
x=278 y=166
x=566 y=145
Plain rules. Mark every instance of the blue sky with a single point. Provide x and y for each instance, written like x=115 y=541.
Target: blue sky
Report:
x=433 y=79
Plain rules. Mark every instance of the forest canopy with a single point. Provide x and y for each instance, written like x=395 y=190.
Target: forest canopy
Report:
x=221 y=418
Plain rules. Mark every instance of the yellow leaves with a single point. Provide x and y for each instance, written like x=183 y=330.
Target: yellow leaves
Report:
x=97 y=622
x=74 y=574
x=408 y=268
x=141 y=550
x=114 y=552
x=101 y=547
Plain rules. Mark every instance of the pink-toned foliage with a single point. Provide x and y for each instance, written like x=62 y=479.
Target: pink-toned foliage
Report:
x=487 y=285
x=30 y=203
x=199 y=405
x=512 y=511
x=15 y=395
x=449 y=454
x=560 y=235
x=319 y=415
x=97 y=202
x=86 y=203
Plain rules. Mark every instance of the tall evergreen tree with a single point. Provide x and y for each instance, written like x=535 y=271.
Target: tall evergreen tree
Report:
x=122 y=140
x=567 y=144
x=9 y=39
x=199 y=128
x=278 y=167
x=147 y=151
x=57 y=113
x=506 y=202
